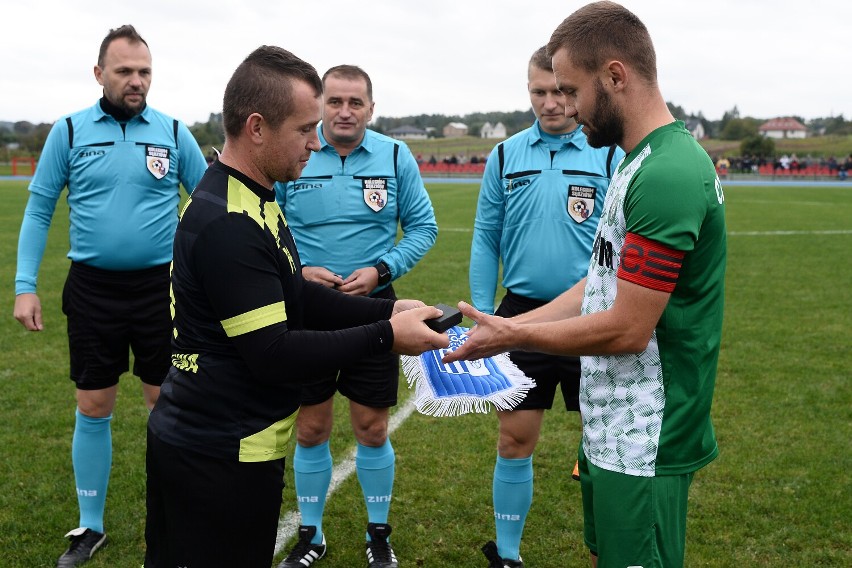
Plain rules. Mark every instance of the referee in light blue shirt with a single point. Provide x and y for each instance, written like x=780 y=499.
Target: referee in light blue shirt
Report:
x=345 y=209
x=123 y=163
x=538 y=208
x=344 y=212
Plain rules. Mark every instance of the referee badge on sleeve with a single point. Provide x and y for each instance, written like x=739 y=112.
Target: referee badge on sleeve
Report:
x=375 y=193
x=157 y=160
x=581 y=202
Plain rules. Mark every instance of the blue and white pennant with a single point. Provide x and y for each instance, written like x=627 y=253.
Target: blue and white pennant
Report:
x=463 y=387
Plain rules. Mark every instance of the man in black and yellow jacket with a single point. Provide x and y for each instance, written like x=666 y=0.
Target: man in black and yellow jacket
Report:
x=248 y=329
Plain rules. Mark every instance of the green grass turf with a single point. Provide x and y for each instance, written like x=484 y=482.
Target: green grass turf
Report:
x=778 y=495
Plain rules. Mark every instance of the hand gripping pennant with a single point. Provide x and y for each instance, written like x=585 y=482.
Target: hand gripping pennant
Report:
x=464 y=386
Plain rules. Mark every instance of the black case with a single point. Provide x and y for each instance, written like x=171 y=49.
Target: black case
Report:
x=450 y=318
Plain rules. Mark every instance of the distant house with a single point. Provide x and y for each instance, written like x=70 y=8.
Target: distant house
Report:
x=696 y=128
x=455 y=129
x=496 y=131
x=408 y=132
x=783 y=127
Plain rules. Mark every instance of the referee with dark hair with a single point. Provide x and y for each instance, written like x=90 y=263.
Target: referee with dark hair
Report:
x=123 y=163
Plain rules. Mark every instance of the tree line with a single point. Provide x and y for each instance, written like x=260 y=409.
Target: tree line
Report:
x=27 y=139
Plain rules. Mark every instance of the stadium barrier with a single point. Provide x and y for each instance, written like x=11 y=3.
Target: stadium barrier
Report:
x=812 y=172
x=442 y=168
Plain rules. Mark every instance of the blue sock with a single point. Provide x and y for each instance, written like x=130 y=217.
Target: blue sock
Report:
x=312 y=471
x=512 y=493
x=375 y=468
x=91 y=455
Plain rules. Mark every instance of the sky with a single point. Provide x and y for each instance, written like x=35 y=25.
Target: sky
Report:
x=452 y=57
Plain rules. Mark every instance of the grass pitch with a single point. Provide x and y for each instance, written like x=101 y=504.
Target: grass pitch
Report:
x=778 y=495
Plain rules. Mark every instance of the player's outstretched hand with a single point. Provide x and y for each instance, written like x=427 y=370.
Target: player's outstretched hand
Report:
x=490 y=336
x=411 y=336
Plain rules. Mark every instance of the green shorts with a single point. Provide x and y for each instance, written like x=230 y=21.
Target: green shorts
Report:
x=632 y=521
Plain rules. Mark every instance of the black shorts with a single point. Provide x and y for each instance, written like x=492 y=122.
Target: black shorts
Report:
x=204 y=511
x=547 y=370
x=110 y=313
x=371 y=381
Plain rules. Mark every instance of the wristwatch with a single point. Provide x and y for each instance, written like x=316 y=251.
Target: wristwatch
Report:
x=384 y=272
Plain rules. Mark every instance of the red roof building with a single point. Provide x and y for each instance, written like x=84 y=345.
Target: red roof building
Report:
x=784 y=127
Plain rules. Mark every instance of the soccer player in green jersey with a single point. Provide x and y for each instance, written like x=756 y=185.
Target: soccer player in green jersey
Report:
x=647 y=319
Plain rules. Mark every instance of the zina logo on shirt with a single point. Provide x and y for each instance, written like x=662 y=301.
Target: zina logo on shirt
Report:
x=158 y=161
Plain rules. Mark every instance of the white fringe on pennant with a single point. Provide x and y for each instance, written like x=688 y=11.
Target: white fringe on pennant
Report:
x=428 y=402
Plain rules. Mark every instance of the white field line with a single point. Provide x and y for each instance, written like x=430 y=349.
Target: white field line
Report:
x=770 y=202
x=785 y=233
x=288 y=526
x=730 y=233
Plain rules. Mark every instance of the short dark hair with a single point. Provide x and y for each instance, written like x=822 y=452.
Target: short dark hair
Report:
x=602 y=31
x=126 y=31
x=263 y=83
x=541 y=60
x=351 y=72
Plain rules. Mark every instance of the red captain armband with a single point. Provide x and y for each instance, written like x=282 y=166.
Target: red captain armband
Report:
x=649 y=263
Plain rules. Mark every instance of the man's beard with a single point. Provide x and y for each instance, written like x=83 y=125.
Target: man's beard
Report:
x=607 y=125
x=132 y=110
